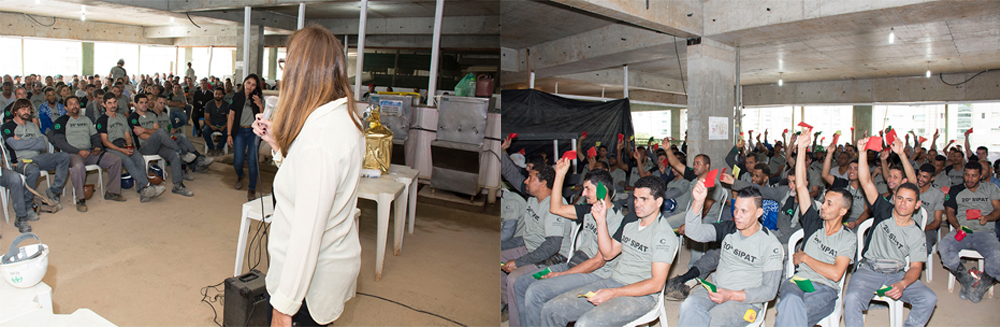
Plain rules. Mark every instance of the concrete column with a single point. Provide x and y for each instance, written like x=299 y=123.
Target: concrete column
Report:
x=675 y=124
x=862 y=122
x=272 y=59
x=711 y=93
x=256 y=62
x=88 y=57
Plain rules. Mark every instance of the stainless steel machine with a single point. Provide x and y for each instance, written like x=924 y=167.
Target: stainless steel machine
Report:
x=396 y=112
x=456 y=152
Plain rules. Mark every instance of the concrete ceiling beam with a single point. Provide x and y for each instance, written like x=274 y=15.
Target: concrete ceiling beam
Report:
x=74 y=29
x=636 y=80
x=227 y=41
x=177 y=31
x=448 y=42
x=231 y=14
x=676 y=17
x=451 y=25
x=278 y=22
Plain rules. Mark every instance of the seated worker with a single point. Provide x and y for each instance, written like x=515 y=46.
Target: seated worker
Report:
x=152 y=140
x=932 y=200
x=827 y=250
x=587 y=265
x=27 y=148
x=76 y=135
x=49 y=110
x=965 y=202
x=749 y=161
x=941 y=179
x=893 y=237
x=775 y=197
x=859 y=212
x=750 y=264
x=216 y=112
x=543 y=238
x=646 y=248
x=188 y=151
x=117 y=140
x=20 y=198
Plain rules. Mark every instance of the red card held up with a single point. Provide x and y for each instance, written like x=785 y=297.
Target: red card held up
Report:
x=584 y=133
x=784 y=131
x=922 y=139
x=592 y=152
x=970 y=130
x=656 y=147
x=945 y=189
x=973 y=214
x=569 y=155
x=521 y=152
x=621 y=137
x=803 y=124
x=710 y=178
x=512 y=136
x=890 y=137
x=874 y=144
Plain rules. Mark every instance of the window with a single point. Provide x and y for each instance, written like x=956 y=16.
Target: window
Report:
x=655 y=124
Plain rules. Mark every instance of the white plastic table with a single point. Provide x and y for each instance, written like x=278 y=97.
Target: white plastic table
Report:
x=16 y=302
x=384 y=190
x=407 y=176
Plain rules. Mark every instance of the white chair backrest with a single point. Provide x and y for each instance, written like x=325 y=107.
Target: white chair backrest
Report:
x=792 y=240
x=572 y=236
x=722 y=205
x=861 y=238
x=923 y=219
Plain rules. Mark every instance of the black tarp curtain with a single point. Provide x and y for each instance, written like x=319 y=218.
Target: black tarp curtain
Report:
x=538 y=118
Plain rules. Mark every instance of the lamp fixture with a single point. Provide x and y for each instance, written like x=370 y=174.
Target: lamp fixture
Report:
x=780 y=81
x=171 y=20
x=892 y=35
x=83 y=17
x=928 y=74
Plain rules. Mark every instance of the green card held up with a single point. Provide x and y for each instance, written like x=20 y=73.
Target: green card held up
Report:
x=881 y=291
x=602 y=191
x=805 y=284
x=538 y=275
x=708 y=286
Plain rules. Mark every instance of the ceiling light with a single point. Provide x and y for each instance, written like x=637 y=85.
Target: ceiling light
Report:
x=928 y=74
x=171 y=20
x=83 y=17
x=780 y=81
x=892 y=35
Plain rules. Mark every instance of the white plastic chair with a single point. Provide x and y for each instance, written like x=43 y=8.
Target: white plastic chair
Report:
x=4 y=192
x=895 y=306
x=658 y=310
x=89 y=168
x=929 y=266
x=833 y=319
x=759 y=321
x=967 y=254
x=225 y=145
x=159 y=160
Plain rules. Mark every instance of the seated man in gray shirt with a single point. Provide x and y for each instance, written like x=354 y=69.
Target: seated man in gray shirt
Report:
x=190 y=155
x=750 y=264
x=76 y=135
x=828 y=248
x=117 y=140
x=964 y=203
x=894 y=237
x=153 y=140
x=646 y=248
x=28 y=146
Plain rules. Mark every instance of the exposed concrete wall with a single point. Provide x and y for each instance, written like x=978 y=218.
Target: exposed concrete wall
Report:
x=892 y=89
x=450 y=25
x=227 y=41
x=508 y=59
x=723 y=16
x=15 y=24
x=636 y=80
x=712 y=75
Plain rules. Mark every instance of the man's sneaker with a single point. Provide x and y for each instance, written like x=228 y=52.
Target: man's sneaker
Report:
x=204 y=161
x=114 y=197
x=22 y=225
x=52 y=194
x=187 y=176
x=981 y=286
x=180 y=189
x=81 y=205
x=189 y=157
x=151 y=191
x=676 y=290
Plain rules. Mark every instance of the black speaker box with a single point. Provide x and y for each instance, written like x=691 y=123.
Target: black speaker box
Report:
x=247 y=302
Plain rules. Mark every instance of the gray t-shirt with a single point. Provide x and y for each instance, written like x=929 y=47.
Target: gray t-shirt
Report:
x=889 y=241
x=965 y=201
x=123 y=102
x=163 y=119
x=744 y=260
x=246 y=117
x=858 y=206
x=776 y=163
x=587 y=240
x=941 y=180
x=147 y=121
x=957 y=176
x=78 y=132
x=617 y=177
x=24 y=132
x=539 y=223
x=116 y=127
x=826 y=249
x=641 y=246
x=177 y=98
x=931 y=201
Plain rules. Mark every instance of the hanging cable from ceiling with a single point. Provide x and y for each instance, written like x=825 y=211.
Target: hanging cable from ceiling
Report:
x=941 y=76
x=40 y=23
x=679 y=68
x=192 y=21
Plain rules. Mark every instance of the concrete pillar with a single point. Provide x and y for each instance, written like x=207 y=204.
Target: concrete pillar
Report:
x=256 y=47
x=862 y=122
x=88 y=57
x=711 y=93
x=675 y=124
x=272 y=60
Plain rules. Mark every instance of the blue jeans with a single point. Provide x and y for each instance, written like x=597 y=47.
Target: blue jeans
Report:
x=245 y=148
x=614 y=312
x=862 y=288
x=798 y=308
x=178 y=118
x=206 y=131
x=540 y=292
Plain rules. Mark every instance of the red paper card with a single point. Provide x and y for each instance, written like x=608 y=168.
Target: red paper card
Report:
x=621 y=137
x=874 y=143
x=592 y=152
x=803 y=124
x=852 y=128
x=890 y=137
x=822 y=139
x=922 y=139
x=784 y=131
x=665 y=163
x=751 y=131
x=973 y=214
x=945 y=189
x=970 y=130
x=656 y=147
x=521 y=152
x=710 y=178
x=569 y=155
x=960 y=235
x=512 y=136
x=584 y=133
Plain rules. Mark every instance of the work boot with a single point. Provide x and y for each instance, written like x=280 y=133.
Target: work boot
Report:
x=22 y=225
x=32 y=216
x=54 y=195
x=42 y=206
x=965 y=279
x=676 y=290
x=251 y=195
x=239 y=183
x=150 y=191
x=114 y=197
x=81 y=205
x=180 y=189
x=204 y=161
x=189 y=157
x=981 y=286
x=187 y=176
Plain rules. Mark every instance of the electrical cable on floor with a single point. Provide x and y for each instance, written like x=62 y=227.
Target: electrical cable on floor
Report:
x=411 y=308
x=941 y=76
x=220 y=297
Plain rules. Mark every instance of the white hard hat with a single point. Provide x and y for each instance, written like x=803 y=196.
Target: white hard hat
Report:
x=25 y=266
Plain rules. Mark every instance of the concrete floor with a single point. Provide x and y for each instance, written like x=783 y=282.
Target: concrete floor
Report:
x=145 y=264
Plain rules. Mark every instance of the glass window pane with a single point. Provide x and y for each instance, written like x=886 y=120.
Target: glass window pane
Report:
x=923 y=120
x=52 y=57
x=773 y=120
x=11 y=56
x=655 y=124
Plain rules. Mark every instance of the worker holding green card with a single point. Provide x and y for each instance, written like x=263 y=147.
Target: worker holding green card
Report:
x=750 y=263
x=972 y=207
x=811 y=294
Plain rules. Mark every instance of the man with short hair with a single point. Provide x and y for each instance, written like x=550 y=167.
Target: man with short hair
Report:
x=8 y=94
x=644 y=247
x=941 y=180
x=118 y=70
x=76 y=135
x=155 y=141
x=201 y=97
x=893 y=237
x=828 y=248
x=28 y=146
x=190 y=72
x=973 y=209
x=95 y=107
x=124 y=102
x=932 y=200
x=216 y=113
x=177 y=103
x=955 y=171
x=189 y=153
x=859 y=212
x=50 y=110
x=116 y=136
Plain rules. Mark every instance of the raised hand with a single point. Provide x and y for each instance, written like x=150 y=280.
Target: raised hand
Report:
x=700 y=191
x=726 y=178
x=562 y=166
x=897 y=146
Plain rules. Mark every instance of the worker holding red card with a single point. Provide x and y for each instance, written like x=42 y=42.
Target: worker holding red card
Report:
x=972 y=208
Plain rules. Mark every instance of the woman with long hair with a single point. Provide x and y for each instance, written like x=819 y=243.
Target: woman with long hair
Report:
x=316 y=135
x=245 y=105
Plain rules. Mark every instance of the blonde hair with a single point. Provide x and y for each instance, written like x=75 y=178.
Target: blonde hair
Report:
x=315 y=73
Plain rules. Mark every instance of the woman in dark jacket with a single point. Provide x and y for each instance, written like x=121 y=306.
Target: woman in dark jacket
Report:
x=246 y=104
